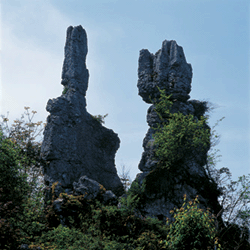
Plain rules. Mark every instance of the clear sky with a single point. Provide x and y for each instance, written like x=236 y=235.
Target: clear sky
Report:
x=213 y=33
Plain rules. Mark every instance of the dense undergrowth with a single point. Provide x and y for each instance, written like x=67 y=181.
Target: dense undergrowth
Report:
x=96 y=226
x=24 y=218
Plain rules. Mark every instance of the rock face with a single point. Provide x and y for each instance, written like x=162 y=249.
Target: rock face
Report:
x=169 y=71
x=75 y=143
x=85 y=191
x=92 y=189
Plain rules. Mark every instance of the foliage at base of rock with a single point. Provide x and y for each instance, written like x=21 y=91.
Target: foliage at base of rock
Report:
x=192 y=229
x=94 y=225
x=134 y=198
x=13 y=191
x=100 y=227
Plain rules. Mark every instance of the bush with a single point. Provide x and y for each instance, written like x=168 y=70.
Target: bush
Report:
x=31 y=222
x=63 y=238
x=95 y=226
x=13 y=191
x=178 y=134
x=192 y=229
x=21 y=197
x=134 y=198
x=23 y=134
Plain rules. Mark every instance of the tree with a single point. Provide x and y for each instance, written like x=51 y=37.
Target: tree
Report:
x=23 y=134
x=235 y=200
x=125 y=178
x=21 y=183
x=234 y=197
x=13 y=191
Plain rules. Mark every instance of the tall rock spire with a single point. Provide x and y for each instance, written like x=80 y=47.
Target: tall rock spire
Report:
x=74 y=65
x=168 y=70
x=75 y=143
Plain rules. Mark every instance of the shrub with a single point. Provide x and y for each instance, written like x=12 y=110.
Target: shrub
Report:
x=32 y=221
x=21 y=197
x=13 y=191
x=100 y=118
x=193 y=228
x=23 y=133
x=134 y=197
x=63 y=238
x=178 y=134
x=65 y=90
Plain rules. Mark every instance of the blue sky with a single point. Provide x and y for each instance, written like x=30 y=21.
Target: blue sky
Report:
x=213 y=33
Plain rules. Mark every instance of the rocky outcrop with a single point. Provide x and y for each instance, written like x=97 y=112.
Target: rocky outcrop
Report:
x=168 y=70
x=92 y=190
x=84 y=192
x=75 y=142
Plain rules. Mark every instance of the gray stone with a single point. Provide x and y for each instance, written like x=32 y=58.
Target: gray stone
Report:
x=26 y=247
x=109 y=198
x=88 y=190
x=74 y=67
x=93 y=190
x=57 y=205
x=87 y=187
x=75 y=143
x=169 y=71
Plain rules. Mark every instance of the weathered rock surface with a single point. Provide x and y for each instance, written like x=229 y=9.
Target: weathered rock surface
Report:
x=75 y=143
x=169 y=71
x=92 y=189
x=88 y=190
x=26 y=247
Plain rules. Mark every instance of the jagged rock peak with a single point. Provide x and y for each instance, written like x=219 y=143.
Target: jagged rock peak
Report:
x=167 y=69
x=75 y=73
x=75 y=143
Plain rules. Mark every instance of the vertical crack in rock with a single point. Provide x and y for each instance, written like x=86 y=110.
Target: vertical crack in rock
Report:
x=169 y=71
x=75 y=143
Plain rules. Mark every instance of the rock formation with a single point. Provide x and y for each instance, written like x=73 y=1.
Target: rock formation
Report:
x=75 y=143
x=85 y=191
x=169 y=71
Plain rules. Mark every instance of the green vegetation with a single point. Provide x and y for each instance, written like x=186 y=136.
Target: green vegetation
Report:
x=13 y=191
x=125 y=178
x=65 y=90
x=24 y=218
x=19 y=212
x=178 y=136
x=193 y=228
x=100 y=118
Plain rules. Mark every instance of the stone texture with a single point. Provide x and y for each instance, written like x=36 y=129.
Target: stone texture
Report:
x=75 y=143
x=86 y=188
x=26 y=247
x=169 y=71
x=93 y=190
